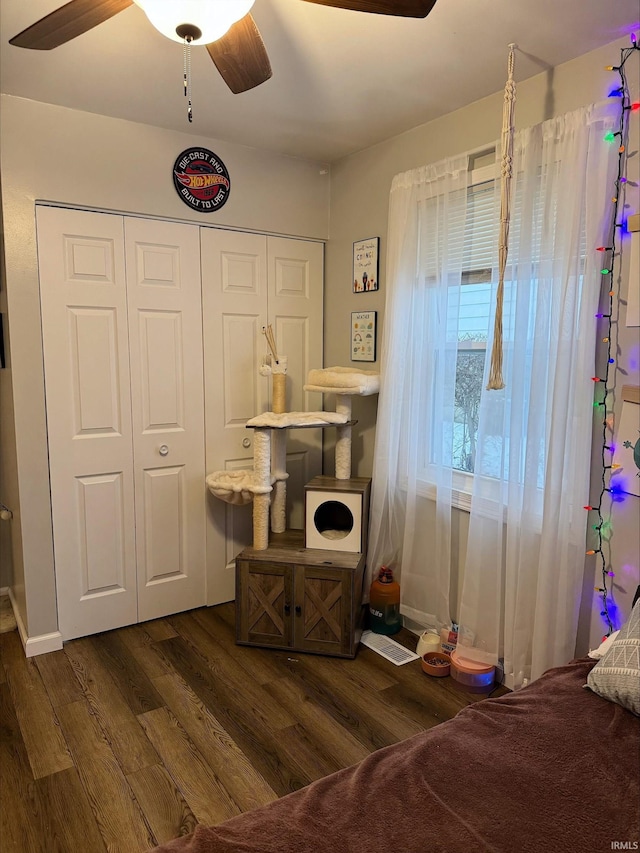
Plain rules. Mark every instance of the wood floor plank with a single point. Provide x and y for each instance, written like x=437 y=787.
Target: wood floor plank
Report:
x=208 y=800
x=159 y=629
x=120 y=821
x=145 y=650
x=126 y=737
x=45 y=744
x=3 y=674
x=134 y=635
x=365 y=671
x=20 y=825
x=261 y=664
x=164 y=807
x=338 y=742
x=347 y=682
x=137 y=690
x=412 y=705
x=232 y=677
x=58 y=677
x=231 y=766
x=349 y=710
x=151 y=660
x=227 y=612
x=267 y=751
x=68 y=822
x=311 y=755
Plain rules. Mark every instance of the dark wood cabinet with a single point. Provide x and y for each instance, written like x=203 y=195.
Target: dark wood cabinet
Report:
x=303 y=599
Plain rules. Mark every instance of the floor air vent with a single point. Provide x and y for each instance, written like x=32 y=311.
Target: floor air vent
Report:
x=388 y=648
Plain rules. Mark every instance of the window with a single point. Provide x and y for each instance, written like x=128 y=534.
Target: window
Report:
x=470 y=316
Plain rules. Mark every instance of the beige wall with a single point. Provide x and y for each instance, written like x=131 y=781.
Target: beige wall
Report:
x=8 y=472
x=360 y=187
x=55 y=154
x=51 y=153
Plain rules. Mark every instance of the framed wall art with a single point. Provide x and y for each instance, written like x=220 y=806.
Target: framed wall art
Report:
x=363 y=335
x=366 y=255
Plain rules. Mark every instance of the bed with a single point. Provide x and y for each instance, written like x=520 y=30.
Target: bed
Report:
x=553 y=767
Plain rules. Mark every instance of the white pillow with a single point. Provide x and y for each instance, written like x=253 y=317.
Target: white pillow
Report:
x=616 y=676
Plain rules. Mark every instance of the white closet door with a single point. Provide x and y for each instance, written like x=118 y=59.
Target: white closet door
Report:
x=234 y=293
x=165 y=333
x=84 y=328
x=295 y=310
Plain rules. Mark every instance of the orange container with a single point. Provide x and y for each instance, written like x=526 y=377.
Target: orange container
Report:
x=384 y=603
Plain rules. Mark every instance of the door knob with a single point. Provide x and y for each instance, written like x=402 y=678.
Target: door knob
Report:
x=163 y=450
x=246 y=442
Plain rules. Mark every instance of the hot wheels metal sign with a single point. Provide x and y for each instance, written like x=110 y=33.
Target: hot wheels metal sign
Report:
x=201 y=179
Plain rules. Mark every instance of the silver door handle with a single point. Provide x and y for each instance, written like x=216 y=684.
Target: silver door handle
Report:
x=163 y=450
x=246 y=442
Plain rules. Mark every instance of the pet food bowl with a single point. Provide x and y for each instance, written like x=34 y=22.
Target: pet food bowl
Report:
x=472 y=676
x=436 y=663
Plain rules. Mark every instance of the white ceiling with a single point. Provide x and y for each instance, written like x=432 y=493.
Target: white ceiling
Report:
x=342 y=80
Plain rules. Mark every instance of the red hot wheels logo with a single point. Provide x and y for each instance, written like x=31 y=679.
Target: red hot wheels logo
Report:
x=201 y=179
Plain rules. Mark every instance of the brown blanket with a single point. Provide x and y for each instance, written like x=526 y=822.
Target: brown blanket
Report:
x=553 y=767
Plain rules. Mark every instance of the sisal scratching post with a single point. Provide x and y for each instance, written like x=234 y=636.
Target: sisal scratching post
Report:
x=279 y=463
x=262 y=474
x=279 y=384
x=343 y=440
x=496 y=382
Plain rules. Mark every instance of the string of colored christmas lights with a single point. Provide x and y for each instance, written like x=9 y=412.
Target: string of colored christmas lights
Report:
x=611 y=257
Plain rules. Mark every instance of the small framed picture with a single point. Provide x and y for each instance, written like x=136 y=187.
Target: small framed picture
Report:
x=363 y=335
x=366 y=265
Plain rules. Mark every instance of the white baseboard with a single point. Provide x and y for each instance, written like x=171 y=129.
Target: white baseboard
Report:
x=40 y=644
x=4 y=590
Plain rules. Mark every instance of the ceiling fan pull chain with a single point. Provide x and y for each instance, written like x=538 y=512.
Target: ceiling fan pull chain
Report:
x=186 y=52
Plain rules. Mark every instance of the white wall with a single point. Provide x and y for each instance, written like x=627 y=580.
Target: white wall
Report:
x=360 y=187
x=55 y=154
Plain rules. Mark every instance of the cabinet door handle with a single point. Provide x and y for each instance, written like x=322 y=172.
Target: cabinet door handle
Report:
x=287 y=609
x=298 y=610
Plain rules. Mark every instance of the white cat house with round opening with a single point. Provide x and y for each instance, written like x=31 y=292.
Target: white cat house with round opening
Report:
x=337 y=513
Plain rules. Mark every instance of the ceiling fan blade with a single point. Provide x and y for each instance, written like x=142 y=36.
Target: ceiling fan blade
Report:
x=400 y=8
x=241 y=57
x=71 y=20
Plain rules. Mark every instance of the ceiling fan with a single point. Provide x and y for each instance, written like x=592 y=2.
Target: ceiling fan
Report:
x=234 y=44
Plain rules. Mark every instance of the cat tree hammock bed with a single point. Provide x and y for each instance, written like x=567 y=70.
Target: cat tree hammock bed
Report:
x=269 y=448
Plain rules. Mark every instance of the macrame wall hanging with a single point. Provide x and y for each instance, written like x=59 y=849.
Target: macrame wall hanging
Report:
x=496 y=381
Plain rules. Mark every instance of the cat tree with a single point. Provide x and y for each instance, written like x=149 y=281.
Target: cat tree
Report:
x=265 y=485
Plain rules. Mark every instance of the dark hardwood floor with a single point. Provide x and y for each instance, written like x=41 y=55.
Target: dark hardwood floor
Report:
x=126 y=739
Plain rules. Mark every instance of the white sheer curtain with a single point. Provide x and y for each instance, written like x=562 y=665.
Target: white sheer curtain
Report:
x=526 y=546
x=409 y=531
x=525 y=555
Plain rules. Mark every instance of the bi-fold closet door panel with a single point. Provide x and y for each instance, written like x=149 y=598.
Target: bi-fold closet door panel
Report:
x=165 y=351
x=248 y=281
x=121 y=318
x=295 y=310
x=88 y=397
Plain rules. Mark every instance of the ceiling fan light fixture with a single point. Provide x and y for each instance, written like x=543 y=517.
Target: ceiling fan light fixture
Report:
x=212 y=18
